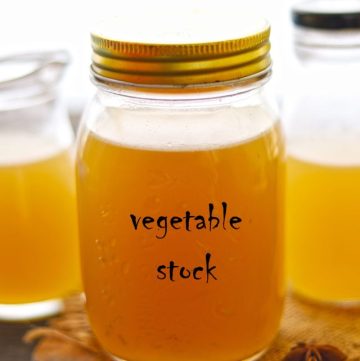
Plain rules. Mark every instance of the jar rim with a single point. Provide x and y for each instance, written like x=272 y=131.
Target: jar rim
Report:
x=206 y=90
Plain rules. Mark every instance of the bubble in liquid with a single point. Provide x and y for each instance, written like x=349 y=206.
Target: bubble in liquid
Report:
x=152 y=203
x=107 y=213
x=104 y=213
x=159 y=179
x=234 y=239
x=147 y=242
x=184 y=206
x=125 y=268
x=222 y=310
x=202 y=245
x=99 y=244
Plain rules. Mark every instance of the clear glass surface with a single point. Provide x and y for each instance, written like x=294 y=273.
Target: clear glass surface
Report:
x=38 y=224
x=181 y=285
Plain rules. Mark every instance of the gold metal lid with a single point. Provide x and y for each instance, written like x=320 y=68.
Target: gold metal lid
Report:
x=193 y=48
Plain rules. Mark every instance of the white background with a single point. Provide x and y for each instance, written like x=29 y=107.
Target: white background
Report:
x=43 y=24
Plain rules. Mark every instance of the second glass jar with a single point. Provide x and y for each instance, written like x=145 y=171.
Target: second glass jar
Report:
x=322 y=115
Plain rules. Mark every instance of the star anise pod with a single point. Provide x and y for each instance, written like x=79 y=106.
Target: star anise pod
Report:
x=312 y=352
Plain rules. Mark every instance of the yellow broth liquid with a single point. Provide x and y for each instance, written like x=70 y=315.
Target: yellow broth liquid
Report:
x=323 y=227
x=38 y=225
x=136 y=315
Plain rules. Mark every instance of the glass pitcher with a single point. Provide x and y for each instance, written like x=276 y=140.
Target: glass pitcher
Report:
x=38 y=224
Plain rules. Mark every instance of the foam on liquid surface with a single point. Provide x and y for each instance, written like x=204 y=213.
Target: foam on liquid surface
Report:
x=23 y=148
x=182 y=130
x=335 y=150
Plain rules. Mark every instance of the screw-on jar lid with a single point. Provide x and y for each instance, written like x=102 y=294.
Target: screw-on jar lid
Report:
x=327 y=14
x=181 y=49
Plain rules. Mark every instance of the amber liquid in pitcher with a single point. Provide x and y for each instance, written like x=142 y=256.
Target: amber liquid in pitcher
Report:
x=138 y=315
x=38 y=221
x=323 y=210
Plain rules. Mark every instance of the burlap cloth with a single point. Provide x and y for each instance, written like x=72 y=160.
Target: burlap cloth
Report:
x=314 y=323
x=69 y=336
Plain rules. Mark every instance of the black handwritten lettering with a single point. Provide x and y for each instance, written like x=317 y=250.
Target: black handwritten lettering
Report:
x=171 y=270
x=208 y=268
x=162 y=274
x=187 y=218
x=212 y=218
x=233 y=221
x=162 y=224
x=134 y=221
x=224 y=207
x=201 y=224
x=175 y=220
x=176 y=272
x=195 y=272
x=216 y=219
x=185 y=273
x=146 y=221
x=191 y=221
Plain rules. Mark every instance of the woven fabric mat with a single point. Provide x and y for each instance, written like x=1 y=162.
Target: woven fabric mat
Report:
x=314 y=323
x=69 y=337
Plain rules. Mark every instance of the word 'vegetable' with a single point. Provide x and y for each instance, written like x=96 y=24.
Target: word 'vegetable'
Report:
x=188 y=222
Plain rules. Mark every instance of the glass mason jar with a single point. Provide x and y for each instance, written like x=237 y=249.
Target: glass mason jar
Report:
x=180 y=185
x=38 y=223
x=321 y=113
